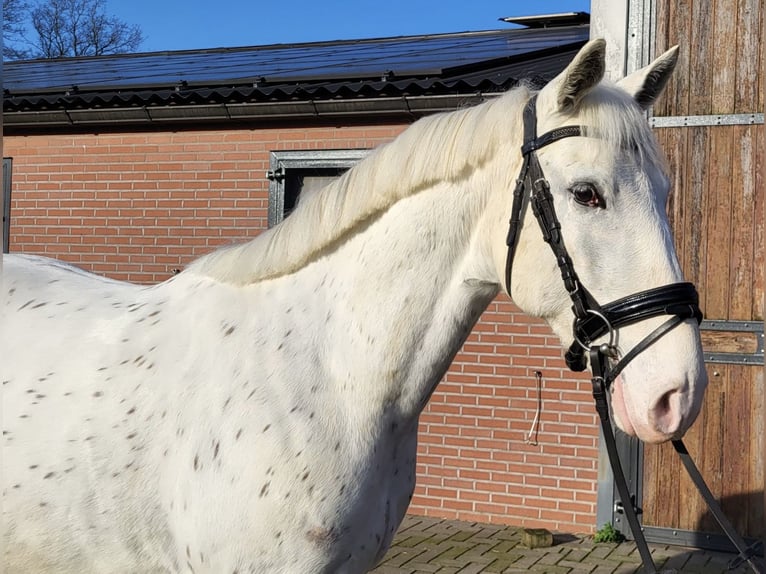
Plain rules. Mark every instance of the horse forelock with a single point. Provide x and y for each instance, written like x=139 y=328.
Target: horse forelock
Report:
x=612 y=115
x=442 y=147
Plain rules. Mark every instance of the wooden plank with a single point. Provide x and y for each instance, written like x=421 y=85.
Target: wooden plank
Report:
x=711 y=457
x=716 y=290
x=701 y=49
x=691 y=507
x=694 y=243
x=651 y=475
x=729 y=342
x=748 y=60
x=673 y=143
x=742 y=264
x=759 y=210
x=724 y=56
x=674 y=23
x=735 y=447
x=660 y=502
x=757 y=486
x=662 y=41
x=762 y=68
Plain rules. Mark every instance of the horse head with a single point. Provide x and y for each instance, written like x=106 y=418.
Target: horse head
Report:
x=608 y=187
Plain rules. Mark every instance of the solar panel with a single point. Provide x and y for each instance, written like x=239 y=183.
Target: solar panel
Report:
x=401 y=57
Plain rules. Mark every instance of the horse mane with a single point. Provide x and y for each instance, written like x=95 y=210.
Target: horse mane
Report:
x=442 y=147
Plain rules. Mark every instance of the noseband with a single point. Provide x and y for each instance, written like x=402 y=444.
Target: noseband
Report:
x=591 y=320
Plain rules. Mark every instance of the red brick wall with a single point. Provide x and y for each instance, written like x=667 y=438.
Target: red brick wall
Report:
x=135 y=206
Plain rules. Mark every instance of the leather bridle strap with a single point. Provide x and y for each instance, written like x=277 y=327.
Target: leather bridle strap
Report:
x=600 y=394
x=531 y=178
x=530 y=174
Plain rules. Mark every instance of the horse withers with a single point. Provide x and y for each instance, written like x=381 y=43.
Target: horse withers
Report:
x=258 y=412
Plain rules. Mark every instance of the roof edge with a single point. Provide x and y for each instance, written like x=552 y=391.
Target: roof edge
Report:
x=118 y=118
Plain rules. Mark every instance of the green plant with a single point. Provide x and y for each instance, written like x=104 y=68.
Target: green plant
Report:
x=608 y=534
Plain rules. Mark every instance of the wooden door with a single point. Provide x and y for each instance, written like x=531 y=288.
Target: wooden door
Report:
x=709 y=125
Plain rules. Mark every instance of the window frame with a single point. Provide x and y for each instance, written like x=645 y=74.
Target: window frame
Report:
x=6 y=203
x=286 y=164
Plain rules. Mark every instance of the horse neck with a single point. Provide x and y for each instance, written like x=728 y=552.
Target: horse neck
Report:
x=405 y=293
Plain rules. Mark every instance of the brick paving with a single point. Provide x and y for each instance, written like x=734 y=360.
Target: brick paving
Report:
x=435 y=546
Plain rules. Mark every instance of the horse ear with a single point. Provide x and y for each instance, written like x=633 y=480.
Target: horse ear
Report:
x=580 y=76
x=646 y=84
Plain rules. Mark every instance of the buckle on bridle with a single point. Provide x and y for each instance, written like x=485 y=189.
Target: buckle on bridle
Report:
x=609 y=349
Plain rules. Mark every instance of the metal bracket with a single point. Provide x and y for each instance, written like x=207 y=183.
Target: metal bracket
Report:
x=711 y=120
x=277 y=174
x=755 y=327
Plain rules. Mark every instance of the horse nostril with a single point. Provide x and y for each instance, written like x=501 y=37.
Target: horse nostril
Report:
x=666 y=414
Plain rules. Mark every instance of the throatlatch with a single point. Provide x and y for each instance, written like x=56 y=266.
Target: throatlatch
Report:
x=678 y=301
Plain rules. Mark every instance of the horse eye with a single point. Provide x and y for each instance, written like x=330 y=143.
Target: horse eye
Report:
x=586 y=194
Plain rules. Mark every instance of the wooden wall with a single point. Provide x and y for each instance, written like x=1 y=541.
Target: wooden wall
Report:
x=717 y=211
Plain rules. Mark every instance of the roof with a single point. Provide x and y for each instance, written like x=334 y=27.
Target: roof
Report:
x=409 y=75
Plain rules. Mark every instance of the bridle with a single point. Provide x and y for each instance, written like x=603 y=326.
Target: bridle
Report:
x=592 y=321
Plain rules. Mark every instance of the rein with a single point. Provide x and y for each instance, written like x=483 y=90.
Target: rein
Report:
x=592 y=321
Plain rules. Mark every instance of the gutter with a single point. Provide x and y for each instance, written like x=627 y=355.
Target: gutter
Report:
x=17 y=122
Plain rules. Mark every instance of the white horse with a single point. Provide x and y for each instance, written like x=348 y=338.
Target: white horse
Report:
x=258 y=412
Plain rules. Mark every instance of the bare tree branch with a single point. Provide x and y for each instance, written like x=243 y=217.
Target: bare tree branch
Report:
x=15 y=45
x=81 y=28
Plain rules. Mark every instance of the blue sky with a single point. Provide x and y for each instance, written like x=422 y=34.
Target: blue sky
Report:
x=227 y=23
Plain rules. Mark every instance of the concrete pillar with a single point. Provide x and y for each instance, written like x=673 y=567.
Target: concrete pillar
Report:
x=609 y=20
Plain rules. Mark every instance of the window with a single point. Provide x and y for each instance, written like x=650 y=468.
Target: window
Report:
x=6 y=202
x=294 y=172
